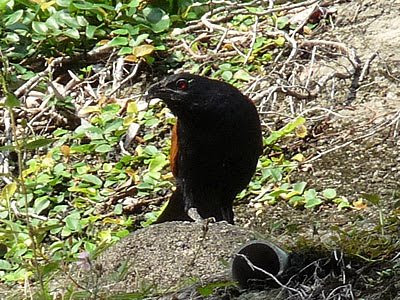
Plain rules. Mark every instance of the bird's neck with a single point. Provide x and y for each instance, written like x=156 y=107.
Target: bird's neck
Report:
x=201 y=120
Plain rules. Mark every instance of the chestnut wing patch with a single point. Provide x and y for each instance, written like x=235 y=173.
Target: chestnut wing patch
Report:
x=173 y=156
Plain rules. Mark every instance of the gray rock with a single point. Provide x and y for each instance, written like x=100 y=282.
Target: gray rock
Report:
x=165 y=258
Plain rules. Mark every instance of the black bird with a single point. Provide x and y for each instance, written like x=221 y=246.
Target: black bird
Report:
x=215 y=147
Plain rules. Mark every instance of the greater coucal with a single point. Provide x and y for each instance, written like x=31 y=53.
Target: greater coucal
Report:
x=215 y=146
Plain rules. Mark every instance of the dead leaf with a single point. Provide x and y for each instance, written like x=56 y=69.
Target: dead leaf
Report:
x=307 y=30
x=89 y=109
x=359 y=204
x=65 y=150
x=131 y=58
x=131 y=133
x=301 y=131
x=143 y=50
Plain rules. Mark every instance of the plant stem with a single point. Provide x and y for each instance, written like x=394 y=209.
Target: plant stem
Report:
x=21 y=180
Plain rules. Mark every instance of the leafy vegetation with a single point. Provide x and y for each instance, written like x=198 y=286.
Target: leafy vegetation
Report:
x=35 y=29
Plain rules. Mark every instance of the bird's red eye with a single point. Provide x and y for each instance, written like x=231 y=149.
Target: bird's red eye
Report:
x=182 y=84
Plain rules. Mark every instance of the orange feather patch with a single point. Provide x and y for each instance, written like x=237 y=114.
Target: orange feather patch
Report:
x=173 y=156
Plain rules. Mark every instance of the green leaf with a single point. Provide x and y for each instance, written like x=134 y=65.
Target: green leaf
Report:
x=19 y=275
x=329 y=193
x=91 y=179
x=125 y=51
x=113 y=126
x=342 y=203
x=242 y=75
x=5 y=265
x=225 y=67
x=60 y=132
x=107 y=167
x=72 y=33
x=313 y=202
x=151 y=217
x=280 y=41
x=52 y=23
x=288 y=128
x=276 y=174
x=14 y=18
x=103 y=148
x=153 y=14
x=3 y=5
x=373 y=198
x=139 y=39
x=277 y=192
x=82 y=168
x=208 y=289
x=40 y=27
x=134 y=3
x=41 y=204
x=133 y=30
x=82 y=21
x=7 y=148
x=227 y=75
x=64 y=3
x=38 y=144
x=122 y=233
x=83 y=5
x=299 y=187
x=72 y=222
x=94 y=133
x=101 y=4
x=12 y=37
x=158 y=162
x=311 y=199
x=89 y=191
x=12 y=101
x=50 y=268
x=90 y=31
x=65 y=231
x=43 y=178
x=309 y=194
x=120 y=31
x=150 y=150
x=118 y=209
x=8 y=191
x=81 y=148
x=296 y=200
x=118 y=41
x=67 y=19
x=282 y=22
x=157 y=18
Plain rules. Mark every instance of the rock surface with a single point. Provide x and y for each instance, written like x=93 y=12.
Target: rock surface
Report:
x=168 y=256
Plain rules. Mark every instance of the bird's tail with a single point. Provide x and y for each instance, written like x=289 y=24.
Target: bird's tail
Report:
x=175 y=209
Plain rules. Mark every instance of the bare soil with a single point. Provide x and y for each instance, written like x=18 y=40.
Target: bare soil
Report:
x=360 y=147
x=359 y=154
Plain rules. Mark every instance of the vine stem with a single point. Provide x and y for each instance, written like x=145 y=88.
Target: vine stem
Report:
x=19 y=148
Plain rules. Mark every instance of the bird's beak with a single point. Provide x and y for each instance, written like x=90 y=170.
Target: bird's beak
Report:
x=162 y=91
x=156 y=90
x=151 y=91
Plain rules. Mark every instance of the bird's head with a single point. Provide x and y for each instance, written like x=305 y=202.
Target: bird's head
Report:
x=188 y=95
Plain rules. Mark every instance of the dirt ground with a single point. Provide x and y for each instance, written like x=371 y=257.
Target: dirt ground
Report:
x=360 y=148
x=367 y=157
